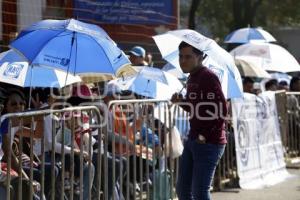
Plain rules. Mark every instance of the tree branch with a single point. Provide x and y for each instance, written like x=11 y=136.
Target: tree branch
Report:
x=192 y=14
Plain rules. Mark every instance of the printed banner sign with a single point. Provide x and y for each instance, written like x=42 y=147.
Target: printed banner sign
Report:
x=258 y=144
x=125 y=12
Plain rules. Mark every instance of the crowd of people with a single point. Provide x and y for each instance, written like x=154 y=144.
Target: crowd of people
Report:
x=126 y=138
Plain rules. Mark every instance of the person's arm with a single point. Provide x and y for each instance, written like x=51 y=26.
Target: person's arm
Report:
x=58 y=144
x=6 y=147
x=26 y=120
x=119 y=139
x=37 y=133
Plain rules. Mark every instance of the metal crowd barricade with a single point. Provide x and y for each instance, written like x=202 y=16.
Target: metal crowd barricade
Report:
x=289 y=121
x=131 y=160
x=226 y=171
x=282 y=112
x=145 y=171
x=57 y=183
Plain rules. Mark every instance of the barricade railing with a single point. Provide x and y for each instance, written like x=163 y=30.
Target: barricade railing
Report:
x=131 y=160
x=146 y=169
x=31 y=180
x=290 y=123
x=226 y=171
x=148 y=173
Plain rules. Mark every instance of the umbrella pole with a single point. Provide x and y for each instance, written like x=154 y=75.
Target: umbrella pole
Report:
x=147 y=88
x=30 y=88
x=72 y=43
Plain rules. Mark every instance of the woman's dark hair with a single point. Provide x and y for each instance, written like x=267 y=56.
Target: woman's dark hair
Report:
x=248 y=80
x=270 y=83
x=195 y=50
x=76 y=101
x=10 y=92
x=294 y=80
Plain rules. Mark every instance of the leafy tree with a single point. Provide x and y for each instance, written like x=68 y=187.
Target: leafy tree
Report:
x=219 y=17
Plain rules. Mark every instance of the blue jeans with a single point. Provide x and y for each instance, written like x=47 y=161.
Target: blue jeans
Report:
x=2 y=192
x=196 y=169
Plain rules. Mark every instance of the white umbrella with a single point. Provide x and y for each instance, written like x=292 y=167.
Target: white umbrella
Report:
x=245 y=35
x=150 y=82
x=223 y=63
x=270 y=57
x=177 y=72
x=247 y=68
x=15 y=70
x=281 y=77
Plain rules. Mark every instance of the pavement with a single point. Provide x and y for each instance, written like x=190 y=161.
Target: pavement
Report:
x=287 y=190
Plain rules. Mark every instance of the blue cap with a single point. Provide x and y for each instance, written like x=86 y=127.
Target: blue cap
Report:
x=138 y=51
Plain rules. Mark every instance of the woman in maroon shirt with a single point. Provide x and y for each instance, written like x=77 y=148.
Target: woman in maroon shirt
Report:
x=206 y=105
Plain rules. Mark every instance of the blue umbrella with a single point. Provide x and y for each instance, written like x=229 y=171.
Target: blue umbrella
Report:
x=245 y=35
x=74 y=46
x=14 y=69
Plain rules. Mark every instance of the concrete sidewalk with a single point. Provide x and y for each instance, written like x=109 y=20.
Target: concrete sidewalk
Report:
x=287 y=190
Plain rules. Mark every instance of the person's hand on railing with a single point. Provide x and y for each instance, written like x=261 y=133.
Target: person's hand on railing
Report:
x=177 y=97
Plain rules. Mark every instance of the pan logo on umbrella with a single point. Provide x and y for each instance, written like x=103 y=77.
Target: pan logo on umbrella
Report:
x=13 y=70
x=65 y=61
x=194 y=38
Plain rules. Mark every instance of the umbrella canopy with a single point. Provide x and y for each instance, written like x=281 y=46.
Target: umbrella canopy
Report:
x=177 y=72
x=249 y=69
x=74 y=46
x=150 y=82
x=281 y=77
x=14 y=69
x=270 y=57
x=220 y=60
x=245 y=35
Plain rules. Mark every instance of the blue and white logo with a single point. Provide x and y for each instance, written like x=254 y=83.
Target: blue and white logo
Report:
x=64 y=61
x=13 y=70
x=194 y=38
